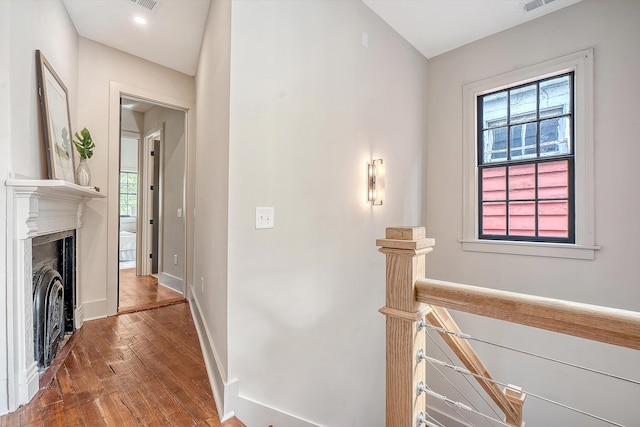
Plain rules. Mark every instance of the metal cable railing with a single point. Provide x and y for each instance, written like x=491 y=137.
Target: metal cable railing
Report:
x=411 y=299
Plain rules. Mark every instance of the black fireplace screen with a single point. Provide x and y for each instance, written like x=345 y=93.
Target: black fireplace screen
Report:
x=53 y=265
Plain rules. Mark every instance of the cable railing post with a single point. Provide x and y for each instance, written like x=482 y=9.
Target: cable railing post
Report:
x=516 y=397
x=405 y=249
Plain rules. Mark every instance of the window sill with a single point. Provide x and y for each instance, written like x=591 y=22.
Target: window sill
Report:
x=553 y=250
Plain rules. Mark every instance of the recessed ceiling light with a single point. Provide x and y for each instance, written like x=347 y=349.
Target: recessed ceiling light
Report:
x=140 y=20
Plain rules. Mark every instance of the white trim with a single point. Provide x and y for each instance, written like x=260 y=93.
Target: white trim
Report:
x=171 y=282
x=215 y=371
x=78 y=316
x=116 y=90
x=584 y=247
x=254 y=413
x=95 y=309
x=4 y=396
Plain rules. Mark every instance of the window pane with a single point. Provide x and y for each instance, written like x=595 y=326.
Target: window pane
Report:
x=553 y=180
x=523 y=104
x=554 y=97
x=523 y=141
x=494 y=184
x=522 y=218
x=494 y=218
x=555 y=137
x=522 y=182
x=553 y=218
x=494 y=110
x=495 y=145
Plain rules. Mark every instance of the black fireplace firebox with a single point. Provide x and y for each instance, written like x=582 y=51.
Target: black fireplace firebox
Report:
x=54 y=292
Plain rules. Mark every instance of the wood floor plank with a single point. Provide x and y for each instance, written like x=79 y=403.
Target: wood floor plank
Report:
x=11 y=420
x=54 y=414
x=114 y=412
x=31 y=416
x=73 y=415
x=51 y=395
x=144 y=409
x=143 y=292
x=90 y=413
x=139 y=369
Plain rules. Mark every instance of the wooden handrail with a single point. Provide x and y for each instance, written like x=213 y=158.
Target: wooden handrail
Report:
x=604 y=324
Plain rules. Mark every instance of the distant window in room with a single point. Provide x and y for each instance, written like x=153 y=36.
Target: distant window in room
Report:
x=128 y=194
x=526 y=161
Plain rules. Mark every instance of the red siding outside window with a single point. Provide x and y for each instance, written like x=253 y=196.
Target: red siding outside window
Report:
x=511 y=195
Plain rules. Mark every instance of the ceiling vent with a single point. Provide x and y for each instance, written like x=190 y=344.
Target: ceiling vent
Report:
x=531 y=5
x=534 y=4
x=151 y=5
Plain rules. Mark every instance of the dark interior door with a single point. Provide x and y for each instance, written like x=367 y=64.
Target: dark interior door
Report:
x=156 y=206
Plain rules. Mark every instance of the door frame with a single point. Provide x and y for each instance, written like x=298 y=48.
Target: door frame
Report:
x=116 y=91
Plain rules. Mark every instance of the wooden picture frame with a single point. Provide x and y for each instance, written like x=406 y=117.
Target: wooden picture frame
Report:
x=56 y=124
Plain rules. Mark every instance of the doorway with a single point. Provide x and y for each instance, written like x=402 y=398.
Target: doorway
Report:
x=151 y=246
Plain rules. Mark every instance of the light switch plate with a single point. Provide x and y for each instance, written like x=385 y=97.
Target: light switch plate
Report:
x=264 y=218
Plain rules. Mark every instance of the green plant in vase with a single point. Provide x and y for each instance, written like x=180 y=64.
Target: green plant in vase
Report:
x=85 y=146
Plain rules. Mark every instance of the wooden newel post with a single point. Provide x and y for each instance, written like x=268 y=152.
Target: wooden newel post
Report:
x=405 y=249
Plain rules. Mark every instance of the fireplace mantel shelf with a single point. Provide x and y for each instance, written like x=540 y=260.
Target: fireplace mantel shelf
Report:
x=56 y=186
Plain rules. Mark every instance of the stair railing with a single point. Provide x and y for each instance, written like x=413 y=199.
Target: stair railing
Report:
x=411 y=299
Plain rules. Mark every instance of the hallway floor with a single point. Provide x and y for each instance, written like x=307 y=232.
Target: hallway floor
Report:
x=143 y=368
x=143 y=292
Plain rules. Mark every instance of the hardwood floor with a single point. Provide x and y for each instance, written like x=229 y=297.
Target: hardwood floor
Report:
x=138 y=369
x=143 y=292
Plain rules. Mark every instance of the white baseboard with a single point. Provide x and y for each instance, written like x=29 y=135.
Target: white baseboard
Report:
x=4 y=396
x=95 y=309
x=256 y=414
x=226 y=394
x=215 y=371
x=171 y=282
x=78 y=316
x=31 y=385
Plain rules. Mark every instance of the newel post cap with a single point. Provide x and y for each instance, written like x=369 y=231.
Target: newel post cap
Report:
x=405 y=238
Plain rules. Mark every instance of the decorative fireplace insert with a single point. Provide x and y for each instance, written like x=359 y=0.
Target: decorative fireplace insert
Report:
x=53 y=293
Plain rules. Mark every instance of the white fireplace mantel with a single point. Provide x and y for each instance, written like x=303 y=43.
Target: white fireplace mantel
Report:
x=34 y=208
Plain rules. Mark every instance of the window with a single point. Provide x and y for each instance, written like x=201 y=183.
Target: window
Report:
x=528 y=160
x=128 y=193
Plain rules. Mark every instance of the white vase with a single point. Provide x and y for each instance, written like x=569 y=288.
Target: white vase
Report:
x=83 y=174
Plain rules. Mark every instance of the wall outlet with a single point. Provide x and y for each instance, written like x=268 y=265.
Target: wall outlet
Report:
x=175 y=260
x=265 y=217
x=179 y=213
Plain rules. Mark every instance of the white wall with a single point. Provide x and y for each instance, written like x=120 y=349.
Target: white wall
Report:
x=26 y=26
x=310 y=105
x=5 y=137
x=211 y=191
x=32 y=23
x=100 y=65
x=612 y=29
x=173 y=176
x=131 y=121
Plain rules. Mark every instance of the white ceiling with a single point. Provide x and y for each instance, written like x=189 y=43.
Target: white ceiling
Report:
x=173 y=33
x=171 y=37
x=438 y=26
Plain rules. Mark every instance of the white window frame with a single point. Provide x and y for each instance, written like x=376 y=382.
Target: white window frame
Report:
x=581 y=63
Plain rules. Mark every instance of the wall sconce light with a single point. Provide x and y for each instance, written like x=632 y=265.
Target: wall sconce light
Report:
x=375 y=174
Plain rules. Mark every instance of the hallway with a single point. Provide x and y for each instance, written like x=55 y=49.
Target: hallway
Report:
x=142 y=368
